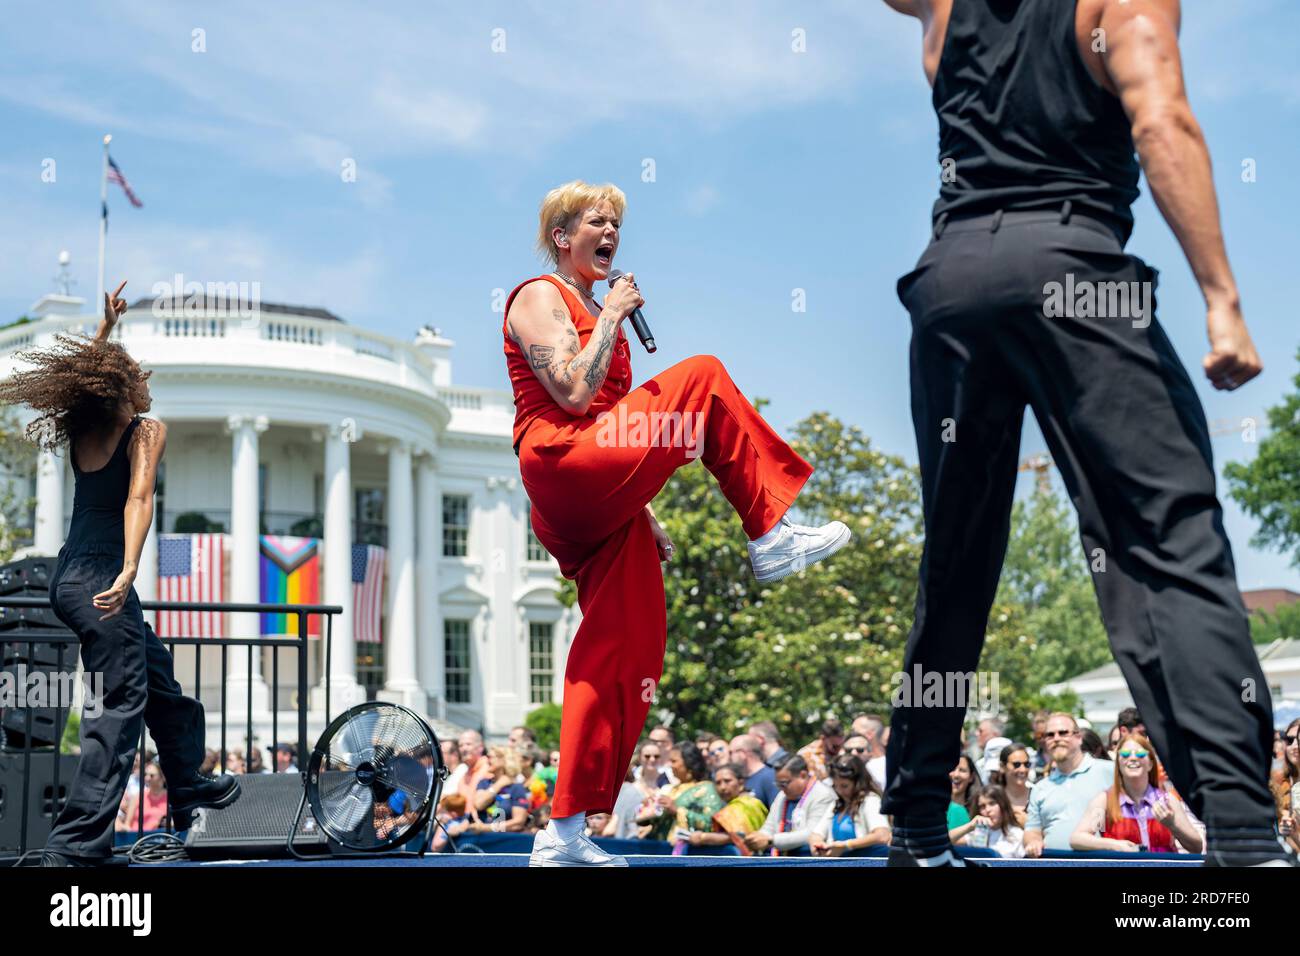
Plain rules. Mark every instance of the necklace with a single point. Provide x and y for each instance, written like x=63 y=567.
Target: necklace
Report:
x=585 y=292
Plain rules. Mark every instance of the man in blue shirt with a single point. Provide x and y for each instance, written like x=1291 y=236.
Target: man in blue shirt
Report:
x=761 y=779
x=1057 y=804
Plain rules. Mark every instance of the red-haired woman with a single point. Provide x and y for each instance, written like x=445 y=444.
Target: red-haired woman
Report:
x=1286 y=787
x=1137 y=813
x=593 y=452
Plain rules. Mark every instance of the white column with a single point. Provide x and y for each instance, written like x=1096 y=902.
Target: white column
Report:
x=428 y=548
x=343 y=687
x=48 y=537
x=244 y=582
x=146 y=576
x=505 y=665
x=401 y=685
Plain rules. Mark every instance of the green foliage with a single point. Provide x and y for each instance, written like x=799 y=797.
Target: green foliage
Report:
x=544 y=722
x=826 y=643
x=71 y=742
x=196 y=522
x=1268 y=487
x=1047 y=574
x=1282 y=623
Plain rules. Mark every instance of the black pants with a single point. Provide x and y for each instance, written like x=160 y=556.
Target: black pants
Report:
x=1126 y=429
x=138 y=688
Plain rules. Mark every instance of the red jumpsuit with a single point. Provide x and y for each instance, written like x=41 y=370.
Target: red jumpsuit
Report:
x=588 y=496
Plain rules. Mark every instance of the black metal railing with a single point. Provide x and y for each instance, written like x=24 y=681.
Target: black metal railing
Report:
x=62 y=639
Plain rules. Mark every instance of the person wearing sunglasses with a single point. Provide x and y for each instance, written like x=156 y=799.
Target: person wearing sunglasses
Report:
x=854 y=822
x=1058 y=802
x=1286 y=788
x=1012 y=775
x=1137 y=813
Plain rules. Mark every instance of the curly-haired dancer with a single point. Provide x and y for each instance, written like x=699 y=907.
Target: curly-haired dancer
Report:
x=89 y=394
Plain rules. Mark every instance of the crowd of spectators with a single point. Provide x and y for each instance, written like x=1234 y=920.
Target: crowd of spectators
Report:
x=1067 y=790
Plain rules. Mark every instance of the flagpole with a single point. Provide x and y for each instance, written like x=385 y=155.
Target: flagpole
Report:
x=96 y=306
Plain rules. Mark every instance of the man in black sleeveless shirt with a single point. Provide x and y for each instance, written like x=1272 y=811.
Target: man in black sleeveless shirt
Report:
x=1025 y=297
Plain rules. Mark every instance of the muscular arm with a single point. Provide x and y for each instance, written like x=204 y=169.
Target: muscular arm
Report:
x=145 y=451
x=539 y=321
x=1145 y=69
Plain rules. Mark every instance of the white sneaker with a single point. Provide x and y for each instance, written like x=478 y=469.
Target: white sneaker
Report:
x=795 y=548
x=548 y=851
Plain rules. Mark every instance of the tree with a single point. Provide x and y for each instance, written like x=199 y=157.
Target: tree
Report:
x=1281 y=624
x=1046 y=587
x=544 y=722
x=827 y=642
x=1268 y=487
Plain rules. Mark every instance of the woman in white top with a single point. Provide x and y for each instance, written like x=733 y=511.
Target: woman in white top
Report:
x=854 y=821
x=1014 y=767
x=994 y=826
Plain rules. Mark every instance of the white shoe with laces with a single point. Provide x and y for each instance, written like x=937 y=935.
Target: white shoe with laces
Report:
x=795 y=547
x=549 y=851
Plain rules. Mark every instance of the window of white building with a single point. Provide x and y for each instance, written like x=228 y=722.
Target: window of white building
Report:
x=455 y=526
x=534 y=550
x=370 y=668
x=456 y=639
x=368 y=517
x=541 y=662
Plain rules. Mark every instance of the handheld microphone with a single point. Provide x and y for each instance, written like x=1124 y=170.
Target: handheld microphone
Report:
x=638 y=320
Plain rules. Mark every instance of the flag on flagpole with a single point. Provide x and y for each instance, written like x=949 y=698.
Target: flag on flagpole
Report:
x=367 y=592
x=115 y=176
x=290 y=574
x=191 y=567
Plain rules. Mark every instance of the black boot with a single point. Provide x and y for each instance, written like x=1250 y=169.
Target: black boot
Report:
x=201 y=791
x=925 y=843
x=55 y=858
x=1247 y=846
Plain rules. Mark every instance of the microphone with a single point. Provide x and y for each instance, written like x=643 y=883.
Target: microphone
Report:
x=638 y=320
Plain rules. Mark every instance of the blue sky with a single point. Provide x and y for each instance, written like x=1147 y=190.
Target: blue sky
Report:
x=773 y=171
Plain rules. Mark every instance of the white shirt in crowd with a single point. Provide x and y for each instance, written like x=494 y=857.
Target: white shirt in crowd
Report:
x=867 y=818
x=876 y=767
x=805 y=812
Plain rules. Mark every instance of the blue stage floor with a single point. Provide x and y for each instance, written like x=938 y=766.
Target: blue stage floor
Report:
x=490 y=860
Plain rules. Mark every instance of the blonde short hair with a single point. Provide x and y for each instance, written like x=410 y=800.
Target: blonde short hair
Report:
x=510 y=760
x=564 y=202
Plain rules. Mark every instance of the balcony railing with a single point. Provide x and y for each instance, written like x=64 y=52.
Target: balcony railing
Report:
x=65 y=643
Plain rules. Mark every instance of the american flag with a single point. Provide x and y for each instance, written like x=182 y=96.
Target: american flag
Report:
x=190 y=568
x=115 y=176
x=367 y=592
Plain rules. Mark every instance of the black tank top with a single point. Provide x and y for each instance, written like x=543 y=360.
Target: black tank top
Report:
x=1022 y=123
x=100 y=499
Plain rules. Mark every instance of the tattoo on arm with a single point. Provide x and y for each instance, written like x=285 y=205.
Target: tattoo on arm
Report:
x=599 y=367
x=540 y=355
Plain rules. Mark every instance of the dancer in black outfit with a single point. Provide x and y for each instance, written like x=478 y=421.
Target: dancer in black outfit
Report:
x=89 y=395
x=1042 y=106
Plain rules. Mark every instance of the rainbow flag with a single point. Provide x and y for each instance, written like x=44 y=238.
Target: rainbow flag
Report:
x=290 y=574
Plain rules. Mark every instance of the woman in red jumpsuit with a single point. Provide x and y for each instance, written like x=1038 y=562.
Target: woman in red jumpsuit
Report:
x=593 y=452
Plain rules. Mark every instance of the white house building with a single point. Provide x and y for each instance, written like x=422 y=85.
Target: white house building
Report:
x=289 y=421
